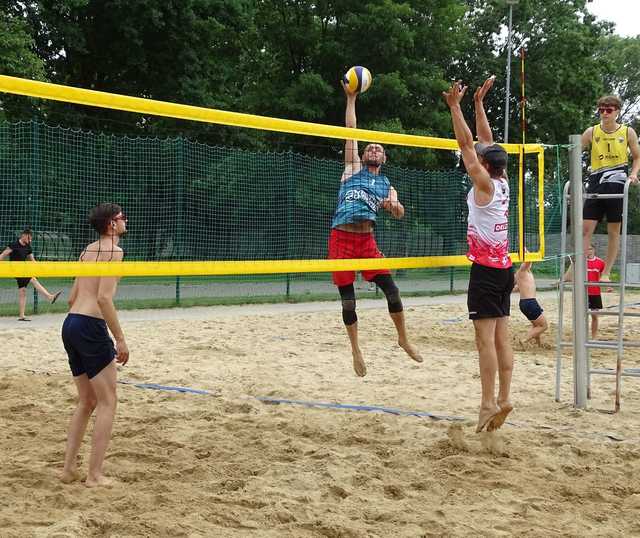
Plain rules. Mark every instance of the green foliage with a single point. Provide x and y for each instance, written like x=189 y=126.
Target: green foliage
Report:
x=285 y=58
x=622 y=77
x=18 y=58
x=563 y=74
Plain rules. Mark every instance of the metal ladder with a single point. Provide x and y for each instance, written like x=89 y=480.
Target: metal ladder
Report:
x=618 y=344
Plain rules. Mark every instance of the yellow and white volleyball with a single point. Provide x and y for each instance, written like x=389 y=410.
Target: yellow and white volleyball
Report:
x=357 y=79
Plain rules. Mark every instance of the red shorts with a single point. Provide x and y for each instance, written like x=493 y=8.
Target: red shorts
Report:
x=348 y=245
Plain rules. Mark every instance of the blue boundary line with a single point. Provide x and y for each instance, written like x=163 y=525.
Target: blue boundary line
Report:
x=321 y=405
x=155 y=386
x=370 y=408
x=353 y=407
x=347 y=407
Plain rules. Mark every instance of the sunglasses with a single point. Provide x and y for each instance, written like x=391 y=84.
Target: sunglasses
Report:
x=607 y=109
x=121 y=217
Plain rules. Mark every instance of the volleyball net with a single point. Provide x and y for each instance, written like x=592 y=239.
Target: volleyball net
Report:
x=196 y=209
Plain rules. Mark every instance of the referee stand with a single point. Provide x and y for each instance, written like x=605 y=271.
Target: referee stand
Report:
x=573 y=196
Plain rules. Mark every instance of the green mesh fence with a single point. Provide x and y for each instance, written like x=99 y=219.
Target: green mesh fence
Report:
x=190 y=201
x=556 y=174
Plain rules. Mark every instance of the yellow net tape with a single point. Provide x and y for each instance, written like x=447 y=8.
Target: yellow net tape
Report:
x=70 y=269
x=56 y=92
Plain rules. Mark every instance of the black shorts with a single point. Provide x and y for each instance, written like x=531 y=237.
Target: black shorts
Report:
x=23 y=282
x=531 y=309
x=598 y=209
x=595 y=302
x=489 y=293
x=88 y=344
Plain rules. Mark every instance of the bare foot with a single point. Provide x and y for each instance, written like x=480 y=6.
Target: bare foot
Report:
x=358 y=363
x=67 y=477
x=411 y=351
x=498 y=419
x=100 y=481
x=485 y=416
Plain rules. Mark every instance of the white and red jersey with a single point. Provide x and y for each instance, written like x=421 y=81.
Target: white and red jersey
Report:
x=488 y=228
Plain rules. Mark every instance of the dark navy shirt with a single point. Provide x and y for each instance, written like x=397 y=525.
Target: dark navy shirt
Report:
x=19 y=252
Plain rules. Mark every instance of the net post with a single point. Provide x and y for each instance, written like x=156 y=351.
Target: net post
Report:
x=579 y=276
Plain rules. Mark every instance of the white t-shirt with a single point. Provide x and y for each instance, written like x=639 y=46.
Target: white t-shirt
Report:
x=488 y=228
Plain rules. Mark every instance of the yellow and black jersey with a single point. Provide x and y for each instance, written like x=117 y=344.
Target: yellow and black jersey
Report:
x=609 y=154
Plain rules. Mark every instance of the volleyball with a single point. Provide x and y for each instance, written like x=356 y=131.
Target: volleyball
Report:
x=357 y=79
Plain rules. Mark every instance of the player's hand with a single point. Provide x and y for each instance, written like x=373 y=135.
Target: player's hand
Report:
x=347 y=91
x=393 y=195
x=482 y=91
x=633 y=178
x=122 y=352
x=388 y=202
x=454 y=95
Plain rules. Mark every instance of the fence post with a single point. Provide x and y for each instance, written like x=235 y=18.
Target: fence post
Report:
x=290 y=201
x=559 y=262
x=179 y=209
x=34 y=197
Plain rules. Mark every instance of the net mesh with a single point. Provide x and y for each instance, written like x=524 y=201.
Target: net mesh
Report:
x=189 y=202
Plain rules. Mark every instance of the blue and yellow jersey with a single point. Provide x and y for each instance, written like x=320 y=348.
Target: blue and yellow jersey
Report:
x=360 y=196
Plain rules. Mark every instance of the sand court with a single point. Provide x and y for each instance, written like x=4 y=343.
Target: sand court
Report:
x=226 y=464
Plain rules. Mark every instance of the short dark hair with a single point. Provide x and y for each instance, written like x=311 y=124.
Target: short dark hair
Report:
x=384 y=151
x=101 y=215
x=610 y=100
x=27 y=231
x=496 y=171
x=494 y=155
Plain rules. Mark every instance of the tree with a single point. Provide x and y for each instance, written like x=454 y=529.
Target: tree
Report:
x=563 y=73
x=621 y=56
x=175 y=51
x=18 y=58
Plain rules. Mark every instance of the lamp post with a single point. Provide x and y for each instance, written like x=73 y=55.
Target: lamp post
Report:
x=510 y=3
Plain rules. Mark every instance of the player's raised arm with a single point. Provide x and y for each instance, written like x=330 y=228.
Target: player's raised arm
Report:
x=351 y=158
x=479 y=175
x=483 y=130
